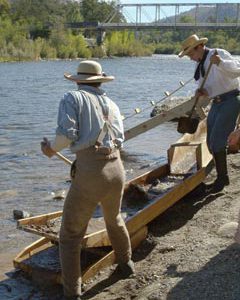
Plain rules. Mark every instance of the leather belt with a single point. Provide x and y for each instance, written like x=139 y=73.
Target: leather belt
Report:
x=223 y=97
x=105 y=150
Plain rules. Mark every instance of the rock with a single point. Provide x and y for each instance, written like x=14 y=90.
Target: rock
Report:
x=228 y=230
x=59 y=195
x=20 y=214
x=135 y=192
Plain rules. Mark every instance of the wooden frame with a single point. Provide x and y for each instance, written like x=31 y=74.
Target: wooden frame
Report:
x=137 y=224
x=54 y=277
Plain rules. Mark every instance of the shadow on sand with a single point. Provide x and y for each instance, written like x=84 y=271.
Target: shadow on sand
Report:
x=183 y=211
x=18 y=286
x=218 y=279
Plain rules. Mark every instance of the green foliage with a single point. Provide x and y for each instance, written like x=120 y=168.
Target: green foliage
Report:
x=101 y=11
x=34 y=29
x=186 y=19
x=15 y=44
x=99 y=51
x=4 y=8
x=68 y=45
x=169 y=42
x=124 y=43
x=73 y=13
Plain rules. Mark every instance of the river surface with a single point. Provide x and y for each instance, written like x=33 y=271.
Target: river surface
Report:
x=29 y=96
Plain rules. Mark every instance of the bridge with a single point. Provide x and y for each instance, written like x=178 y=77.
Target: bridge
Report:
x=165 y=16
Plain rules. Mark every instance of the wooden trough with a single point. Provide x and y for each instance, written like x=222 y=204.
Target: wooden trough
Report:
x=189 y=161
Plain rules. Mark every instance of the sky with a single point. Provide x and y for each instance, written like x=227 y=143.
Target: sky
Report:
x=148 y=13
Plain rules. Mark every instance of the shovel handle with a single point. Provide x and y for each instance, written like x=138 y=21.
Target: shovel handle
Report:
x=208 y=70
x=202 y=84
x=62 y=157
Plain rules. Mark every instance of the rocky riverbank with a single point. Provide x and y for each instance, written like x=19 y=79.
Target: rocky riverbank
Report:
x=189 y=253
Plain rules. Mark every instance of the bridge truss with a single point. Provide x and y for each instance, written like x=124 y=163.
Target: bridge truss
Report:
x=178 y=15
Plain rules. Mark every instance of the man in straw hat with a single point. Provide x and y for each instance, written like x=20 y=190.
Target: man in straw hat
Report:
x=222 y=86
x=91 y=124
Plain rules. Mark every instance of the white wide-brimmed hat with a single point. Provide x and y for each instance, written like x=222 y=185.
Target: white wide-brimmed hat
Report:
x=190 y=43
x=89 y=71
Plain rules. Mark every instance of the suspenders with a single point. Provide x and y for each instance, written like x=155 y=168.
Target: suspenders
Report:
x=107 y=126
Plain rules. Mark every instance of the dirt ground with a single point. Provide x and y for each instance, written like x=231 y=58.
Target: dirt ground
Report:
x=189 y=253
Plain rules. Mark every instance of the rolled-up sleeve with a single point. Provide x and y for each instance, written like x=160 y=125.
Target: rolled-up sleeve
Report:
x=68 y=117
x=117 y=125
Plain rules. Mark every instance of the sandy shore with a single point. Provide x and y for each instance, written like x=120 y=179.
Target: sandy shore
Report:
x=190 y=254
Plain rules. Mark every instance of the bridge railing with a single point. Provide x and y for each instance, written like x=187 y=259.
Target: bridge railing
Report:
x=121 y=26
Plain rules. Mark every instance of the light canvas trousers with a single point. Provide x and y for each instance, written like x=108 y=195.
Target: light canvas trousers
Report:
x=96 y=181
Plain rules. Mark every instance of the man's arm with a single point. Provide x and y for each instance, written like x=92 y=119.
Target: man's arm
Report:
x=226 y=62
x=67 y=130
x=50 y=148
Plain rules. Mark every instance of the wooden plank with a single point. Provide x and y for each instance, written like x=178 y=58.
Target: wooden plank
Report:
x=93 y=239
x=55 y=277
x=154 y=209
x=173 y=159
x=96 y=239
x=179 y=153
x=39 y=220
x=39 y=245
x=150 y=175
x=169 y=115
x=137 y=224
x=199 y=156
x=175 y=153
x=109 y=259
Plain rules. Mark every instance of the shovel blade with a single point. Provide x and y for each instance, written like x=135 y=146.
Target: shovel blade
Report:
x=187 y=125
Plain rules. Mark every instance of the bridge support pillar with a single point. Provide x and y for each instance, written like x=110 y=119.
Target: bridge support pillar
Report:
x=100 y=36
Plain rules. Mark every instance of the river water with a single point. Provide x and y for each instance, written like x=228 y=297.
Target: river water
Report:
x=29 y=96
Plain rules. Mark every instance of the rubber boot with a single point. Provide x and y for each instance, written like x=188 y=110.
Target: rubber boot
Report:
x=222 y=174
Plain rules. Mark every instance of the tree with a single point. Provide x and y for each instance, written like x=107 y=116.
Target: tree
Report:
x=186 y=19
x=73 y=13
x=41 y=15
x=4 y=7
x=94 y=10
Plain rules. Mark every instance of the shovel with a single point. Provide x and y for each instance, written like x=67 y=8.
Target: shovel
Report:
x=187 y=124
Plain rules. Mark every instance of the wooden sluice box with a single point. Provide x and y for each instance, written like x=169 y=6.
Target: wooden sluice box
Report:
x=149 y=194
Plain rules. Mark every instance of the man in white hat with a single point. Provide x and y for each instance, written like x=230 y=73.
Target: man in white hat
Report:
x=222 y=86
x=91 y=124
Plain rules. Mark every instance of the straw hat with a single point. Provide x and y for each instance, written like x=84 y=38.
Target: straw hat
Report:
x=89 y=71
x=190 y=43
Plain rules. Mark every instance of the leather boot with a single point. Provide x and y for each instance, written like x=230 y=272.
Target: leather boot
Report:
x=72 y=298
x=126 y=269
x=222 y=174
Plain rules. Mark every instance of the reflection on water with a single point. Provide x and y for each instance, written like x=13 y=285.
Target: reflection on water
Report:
x=29 y=103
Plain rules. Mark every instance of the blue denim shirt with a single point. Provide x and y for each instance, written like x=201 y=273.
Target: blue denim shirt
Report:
x=80 y=120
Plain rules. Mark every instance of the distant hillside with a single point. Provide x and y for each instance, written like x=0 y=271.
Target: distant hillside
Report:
x=226 y=13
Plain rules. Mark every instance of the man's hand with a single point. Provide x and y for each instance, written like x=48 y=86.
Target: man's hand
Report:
x=46 y=148
x=201 y=92
x=215 y=59
x=234 y=138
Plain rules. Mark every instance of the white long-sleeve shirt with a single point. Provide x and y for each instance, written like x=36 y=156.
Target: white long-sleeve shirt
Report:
x=224 y=77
